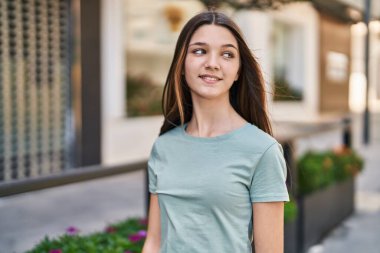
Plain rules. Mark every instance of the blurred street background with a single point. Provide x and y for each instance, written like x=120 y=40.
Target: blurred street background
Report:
x=80 y=105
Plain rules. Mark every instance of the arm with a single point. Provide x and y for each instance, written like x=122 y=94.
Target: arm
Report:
x=152 y=242
x=268 y=227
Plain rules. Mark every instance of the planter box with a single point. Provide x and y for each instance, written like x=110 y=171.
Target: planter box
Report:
x=321 y=211
x=290 y=238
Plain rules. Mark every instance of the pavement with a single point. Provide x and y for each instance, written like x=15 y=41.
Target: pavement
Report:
x=26 y=218
x=89 y=206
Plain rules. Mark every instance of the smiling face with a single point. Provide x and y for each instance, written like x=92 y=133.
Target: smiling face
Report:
x=212 y=62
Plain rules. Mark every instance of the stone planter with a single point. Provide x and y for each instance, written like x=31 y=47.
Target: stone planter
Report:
x=321 y=211
x=290 y=237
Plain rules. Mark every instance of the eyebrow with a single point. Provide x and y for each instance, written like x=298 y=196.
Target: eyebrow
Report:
x=205 y=44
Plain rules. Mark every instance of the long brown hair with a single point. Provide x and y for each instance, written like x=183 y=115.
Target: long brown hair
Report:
x=247 y=94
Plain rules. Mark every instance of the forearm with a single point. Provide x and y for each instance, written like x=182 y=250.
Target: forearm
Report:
x=151 y=245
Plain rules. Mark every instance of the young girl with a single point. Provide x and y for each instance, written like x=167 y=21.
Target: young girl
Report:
x=216 y=175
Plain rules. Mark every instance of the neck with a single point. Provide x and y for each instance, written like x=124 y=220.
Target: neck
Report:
x=213 y=117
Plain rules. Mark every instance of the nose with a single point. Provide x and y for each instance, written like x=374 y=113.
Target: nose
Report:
x=212 y=62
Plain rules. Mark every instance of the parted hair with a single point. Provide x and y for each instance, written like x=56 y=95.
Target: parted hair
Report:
x=247 y=94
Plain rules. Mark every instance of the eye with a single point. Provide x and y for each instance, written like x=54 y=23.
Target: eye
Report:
x=199 y=51
x=228 y=55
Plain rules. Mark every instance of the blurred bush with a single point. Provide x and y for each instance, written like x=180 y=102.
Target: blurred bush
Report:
x=124 y=237
x=143 y=97
x=317 y=170
x=290 y=211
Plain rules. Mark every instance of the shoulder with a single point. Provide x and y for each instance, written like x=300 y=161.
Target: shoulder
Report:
x=258 y=140
x=167 y=138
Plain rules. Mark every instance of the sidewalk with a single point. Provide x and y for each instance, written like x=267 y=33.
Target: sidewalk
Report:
x=26 y=218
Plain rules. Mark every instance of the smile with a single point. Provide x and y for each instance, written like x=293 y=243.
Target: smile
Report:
x=210 y=78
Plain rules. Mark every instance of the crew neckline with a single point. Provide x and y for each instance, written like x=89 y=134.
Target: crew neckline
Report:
x=214 y=138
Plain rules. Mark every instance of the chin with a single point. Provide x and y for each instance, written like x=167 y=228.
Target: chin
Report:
x=209 y=95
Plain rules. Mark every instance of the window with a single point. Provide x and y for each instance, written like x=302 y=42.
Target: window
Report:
x=287 y=62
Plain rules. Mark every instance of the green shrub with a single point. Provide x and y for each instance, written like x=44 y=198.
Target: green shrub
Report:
x=349 y=163
x=124 y=237
x=317 y=170
x=290 y=211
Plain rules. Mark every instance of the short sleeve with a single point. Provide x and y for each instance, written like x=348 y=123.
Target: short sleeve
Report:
x=152 y=175
x=269 y=177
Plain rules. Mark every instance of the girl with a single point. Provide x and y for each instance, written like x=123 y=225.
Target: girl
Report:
x=216 y=175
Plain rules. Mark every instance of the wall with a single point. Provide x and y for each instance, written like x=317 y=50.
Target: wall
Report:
x=358 y=80
x=335 y=39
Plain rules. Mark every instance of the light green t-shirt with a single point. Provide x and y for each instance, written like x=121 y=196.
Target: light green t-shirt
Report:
x=206 y=187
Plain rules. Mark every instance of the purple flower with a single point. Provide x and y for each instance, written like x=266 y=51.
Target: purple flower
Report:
x=137 y=236
x=128 y=251
x=55 y=251
x=134 y=238
x=72 y=230
x=142 y=233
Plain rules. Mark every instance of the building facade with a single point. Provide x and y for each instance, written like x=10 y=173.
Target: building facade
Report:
x=64 y=66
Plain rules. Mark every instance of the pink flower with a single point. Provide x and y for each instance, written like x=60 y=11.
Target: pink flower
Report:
x=134 y=238
x=55 y=251
x=137 y=236
x=72 y=230
x=142 y=233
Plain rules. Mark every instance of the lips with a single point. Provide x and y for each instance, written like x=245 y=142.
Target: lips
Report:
x=210 y=78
